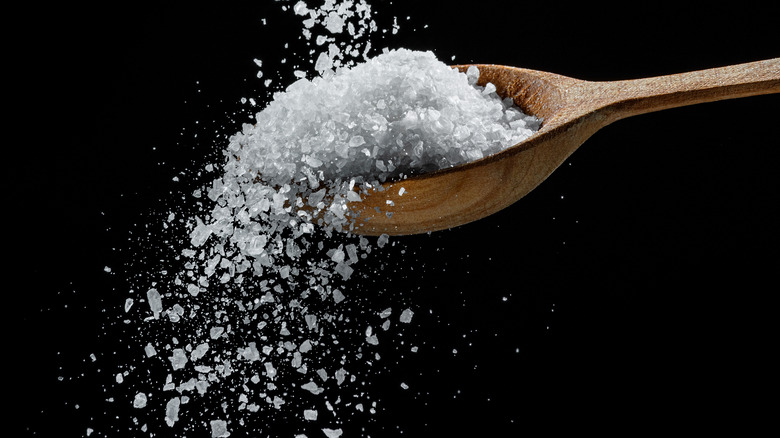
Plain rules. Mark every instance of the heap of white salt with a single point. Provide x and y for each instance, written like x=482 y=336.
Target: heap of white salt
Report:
x=401 y=112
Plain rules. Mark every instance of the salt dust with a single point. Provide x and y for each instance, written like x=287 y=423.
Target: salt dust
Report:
x=254 y=319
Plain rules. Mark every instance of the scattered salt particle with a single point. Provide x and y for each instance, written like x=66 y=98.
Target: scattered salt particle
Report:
x=119 y=378
x=270 y=371
x=312 y=387
x=323 y=63
x=199 y=351
x=310 y=414
x=370 y=337
x=139 y=401
x=219 y=429
x=323 y=374
x=107 y=269
x=385 y=313
x=300 y=8
x=382 y=240
x=337 y=296
x=406 y=315
x=93 y=357
x=340 y=376
x=311 y=321
x=332 y=433
x=155 y=302
x=128 y=304
x=172 y=411
x=404 y=385
x=178 y=359
x=401 y=191
x=193 y=290
x=149 y=350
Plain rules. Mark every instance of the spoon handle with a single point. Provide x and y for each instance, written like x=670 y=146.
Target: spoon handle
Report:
x=626 y=98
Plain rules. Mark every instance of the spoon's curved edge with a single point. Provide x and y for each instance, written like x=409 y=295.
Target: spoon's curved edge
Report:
x=462 y=194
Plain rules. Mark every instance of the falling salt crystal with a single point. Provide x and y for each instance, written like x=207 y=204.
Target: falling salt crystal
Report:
x=404 y=385
x=300 y=8
x=340 y=376
x=406 y=315
x=312 y=387
x=310 y=414
x=172 y=411
x=139 y=401
x=332 y=433
x=128 y=304
x=155 y=302
x=370 y=337
x=149 y=350
x=337 y=296
x=178 y=359
x=311 y=321
x=219 y=429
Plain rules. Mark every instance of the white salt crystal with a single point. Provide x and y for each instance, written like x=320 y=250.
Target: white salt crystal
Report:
x=337 y=296
x=199 y=351
x=340 y=375
x=312 y=387
x=404 y=385
x=139 y=401
x=406 y=315
x=310 y=414
x=155 y=302
x=219 y=429
x=332 y=433
x=149 y=350
x=311 y=321
x=300 y=8
x=334 y=23
x=128 y=304
x=172 y=411
x=178 y=359
x=216 y=332
x=323 y=63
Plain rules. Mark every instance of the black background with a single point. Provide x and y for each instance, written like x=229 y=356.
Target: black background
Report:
x=639 y=278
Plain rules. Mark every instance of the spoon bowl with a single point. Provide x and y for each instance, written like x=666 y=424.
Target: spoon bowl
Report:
x=571 y=111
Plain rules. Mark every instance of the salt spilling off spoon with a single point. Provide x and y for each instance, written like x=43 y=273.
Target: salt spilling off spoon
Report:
x=259 y=315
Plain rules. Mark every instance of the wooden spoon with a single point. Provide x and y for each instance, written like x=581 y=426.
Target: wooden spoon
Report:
x=572 y=110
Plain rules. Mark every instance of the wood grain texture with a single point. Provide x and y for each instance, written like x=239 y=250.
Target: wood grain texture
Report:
x=572 y=110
